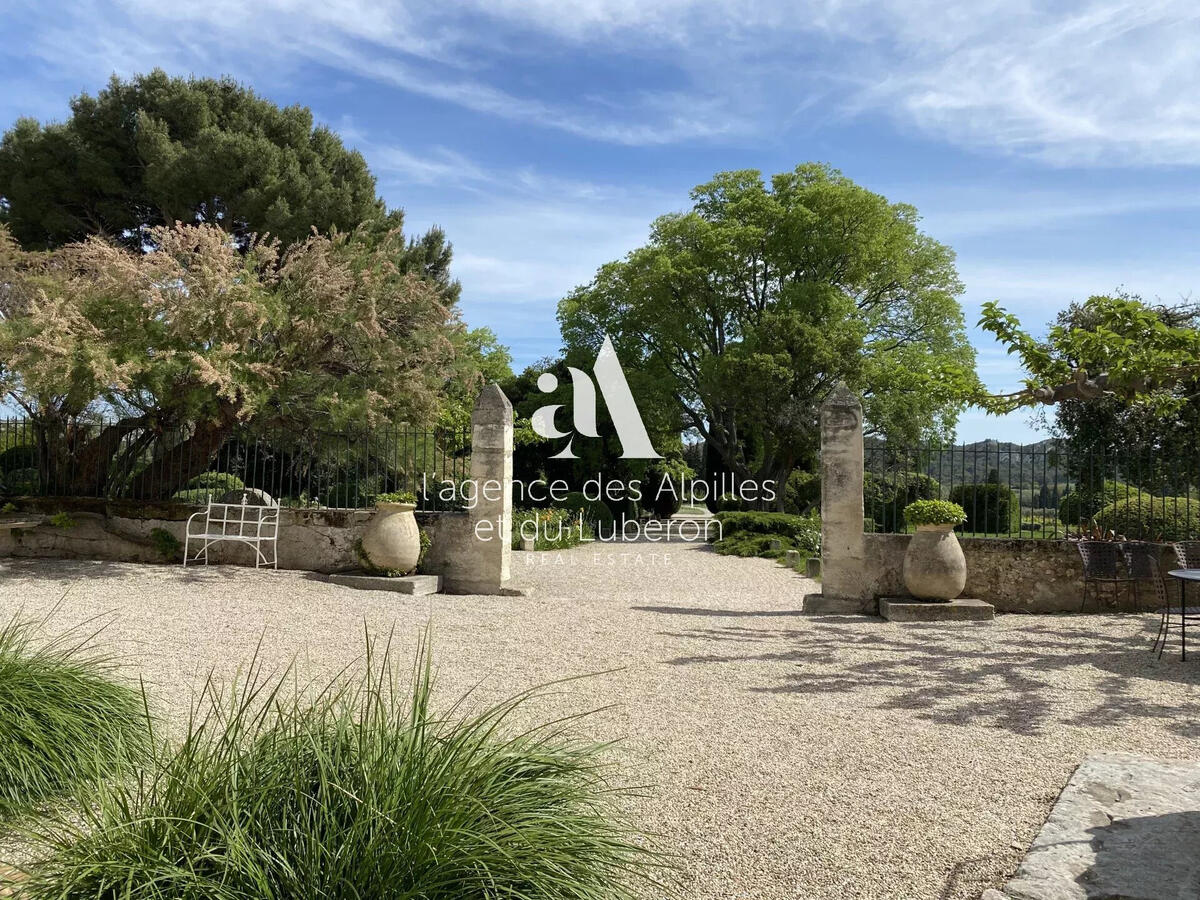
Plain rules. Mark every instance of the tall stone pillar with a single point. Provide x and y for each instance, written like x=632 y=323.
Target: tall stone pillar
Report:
x=483 y=566
x=846 y=582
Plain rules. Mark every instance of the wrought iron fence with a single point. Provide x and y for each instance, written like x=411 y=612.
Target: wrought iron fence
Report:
x=1039 y=490
x=338 y=469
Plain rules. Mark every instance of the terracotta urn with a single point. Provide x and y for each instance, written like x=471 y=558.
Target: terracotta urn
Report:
x=934 y=565
x=391 y=539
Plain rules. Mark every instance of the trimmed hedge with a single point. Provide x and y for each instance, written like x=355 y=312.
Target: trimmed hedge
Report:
x=990 y=508
x=1081 y=504
x=208 y=485
x=741 y=532
x=1142 y=517
x=594 y=511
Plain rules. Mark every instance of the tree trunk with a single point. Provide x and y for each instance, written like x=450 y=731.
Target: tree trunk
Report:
x=174 y=468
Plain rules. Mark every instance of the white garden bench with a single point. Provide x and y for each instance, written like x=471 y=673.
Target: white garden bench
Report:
x=245 y=523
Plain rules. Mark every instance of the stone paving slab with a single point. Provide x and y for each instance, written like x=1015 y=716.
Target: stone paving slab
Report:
x=1125 y=827
x=410 y=584
x=905 y=609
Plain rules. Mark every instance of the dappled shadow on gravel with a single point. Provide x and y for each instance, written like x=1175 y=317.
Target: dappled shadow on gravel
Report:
x=1021 y=679
x=717 y=613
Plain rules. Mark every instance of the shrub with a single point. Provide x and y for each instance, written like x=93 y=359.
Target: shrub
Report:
x=208 y=486
x=886 y=494
x=551 y=529
x=754 y=543
x=1081 y=504
x=802 y=492
x=596 y=512
x=396 y=497
x=990 y=508
x=1142 y=517
x=62 y=520
x=166 y=544
x=20 y=457
x=665 y=484
x=64 y=721
x=802 y=532
x=730 y=503
x=364 y=791
x=934 y=512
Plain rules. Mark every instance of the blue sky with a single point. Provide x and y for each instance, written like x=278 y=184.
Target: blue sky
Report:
x=1055 y=146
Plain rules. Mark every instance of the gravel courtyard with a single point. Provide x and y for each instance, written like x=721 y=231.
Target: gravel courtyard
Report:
x=785 y=756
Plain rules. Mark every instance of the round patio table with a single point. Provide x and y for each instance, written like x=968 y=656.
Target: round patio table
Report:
x=1183 y=576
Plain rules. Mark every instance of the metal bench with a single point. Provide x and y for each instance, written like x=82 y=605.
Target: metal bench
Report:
x=244 y=523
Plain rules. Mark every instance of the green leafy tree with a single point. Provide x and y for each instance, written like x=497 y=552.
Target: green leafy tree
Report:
x=180 y=346
x=155 y=150
x=741 y=314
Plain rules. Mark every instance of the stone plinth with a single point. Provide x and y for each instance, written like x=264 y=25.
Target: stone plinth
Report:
x=906 y=609
x=415 y=585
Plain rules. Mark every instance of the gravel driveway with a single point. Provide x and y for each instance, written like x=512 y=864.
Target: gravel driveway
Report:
x=786 y=756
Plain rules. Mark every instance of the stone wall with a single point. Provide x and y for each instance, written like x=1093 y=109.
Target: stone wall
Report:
x=1014 y=575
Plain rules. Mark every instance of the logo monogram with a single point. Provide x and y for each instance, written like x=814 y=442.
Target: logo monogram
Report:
x=635 y=442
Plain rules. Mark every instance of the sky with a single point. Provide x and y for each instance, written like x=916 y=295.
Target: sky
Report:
x=1054 y=146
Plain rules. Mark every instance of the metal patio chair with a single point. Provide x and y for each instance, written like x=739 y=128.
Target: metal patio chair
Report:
x=1104 y=563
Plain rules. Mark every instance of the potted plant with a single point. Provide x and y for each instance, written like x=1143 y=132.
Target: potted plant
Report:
x=934 y=566
x=391 y=541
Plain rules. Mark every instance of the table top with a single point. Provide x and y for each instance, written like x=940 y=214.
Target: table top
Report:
x=1187 y=574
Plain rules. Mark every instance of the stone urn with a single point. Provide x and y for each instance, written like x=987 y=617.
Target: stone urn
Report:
x=934 y=565
x=392 y=539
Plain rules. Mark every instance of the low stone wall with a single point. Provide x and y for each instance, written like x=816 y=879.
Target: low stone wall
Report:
x=1014 y=575
x=311 y=540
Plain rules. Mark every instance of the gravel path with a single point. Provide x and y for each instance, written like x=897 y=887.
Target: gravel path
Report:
x=787 y=756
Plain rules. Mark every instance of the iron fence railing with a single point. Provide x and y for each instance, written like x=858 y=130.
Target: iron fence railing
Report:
x=105 y=459
x=1039 y=490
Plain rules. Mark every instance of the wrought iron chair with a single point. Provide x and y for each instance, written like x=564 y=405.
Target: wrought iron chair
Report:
x=1103 y=563
x=1187 y=555
x=1142 y=562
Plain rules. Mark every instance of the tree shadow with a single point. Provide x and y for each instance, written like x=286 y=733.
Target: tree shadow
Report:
x=1144 y=858
x=1016 y=679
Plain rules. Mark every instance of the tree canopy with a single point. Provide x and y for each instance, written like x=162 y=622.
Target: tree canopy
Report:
x=1110 y=346
x=155 y=150
x=743 y=312
x=183 y=344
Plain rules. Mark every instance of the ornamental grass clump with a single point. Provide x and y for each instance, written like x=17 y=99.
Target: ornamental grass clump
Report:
x=358 y=790
x=934 y=512
x=65 y=721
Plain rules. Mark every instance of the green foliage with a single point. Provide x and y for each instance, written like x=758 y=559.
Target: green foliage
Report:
x=741 y=313
x=208 y=486
x=1144 y=517
x=801 y=532
x=200 y=337
x=886 y=494
x=934 y=512
x=551 y=529
x=166 y=544
x=18 y=457
x=802 y=492
x=357 y=788
x=64 y=720
x=62 y=520
x=989 y=508
x=665 y=485
x=731 y=503
x=156 y=149
x=1108 y=346
x=753 y=543
x=396 y=497
x=8 y=508
x=1081 y=504
x=595 y=512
